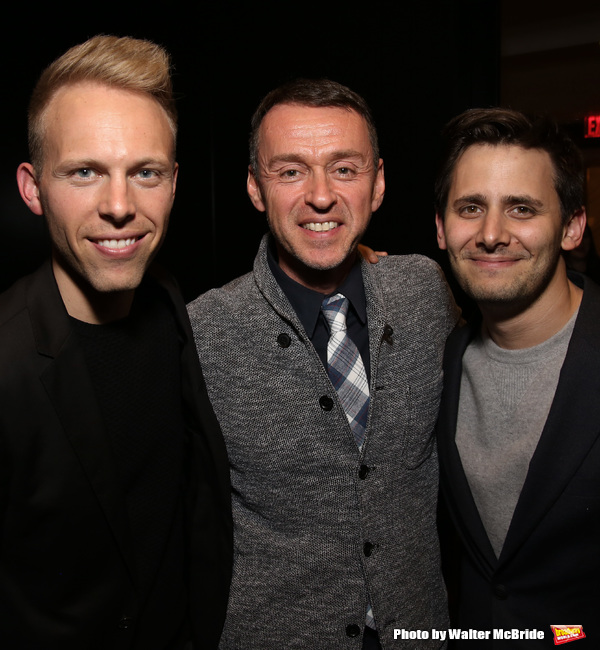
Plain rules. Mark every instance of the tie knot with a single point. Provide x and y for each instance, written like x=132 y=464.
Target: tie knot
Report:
x=335 y=309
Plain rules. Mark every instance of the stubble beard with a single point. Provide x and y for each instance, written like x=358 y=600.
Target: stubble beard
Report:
x=514 y=295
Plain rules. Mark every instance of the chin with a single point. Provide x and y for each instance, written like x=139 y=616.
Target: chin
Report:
x=327 y=262
x=323 y=266
x=130 y=282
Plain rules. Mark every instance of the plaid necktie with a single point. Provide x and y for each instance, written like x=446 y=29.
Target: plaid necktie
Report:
x=345 y=367
x=347 y=373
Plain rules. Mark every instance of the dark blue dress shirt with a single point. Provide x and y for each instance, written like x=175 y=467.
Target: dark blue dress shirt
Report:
x=307 y=305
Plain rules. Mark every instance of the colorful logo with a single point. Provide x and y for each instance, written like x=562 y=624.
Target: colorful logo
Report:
x=566 y=633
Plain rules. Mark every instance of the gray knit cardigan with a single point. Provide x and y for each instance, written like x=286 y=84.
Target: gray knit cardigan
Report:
x=319 y=529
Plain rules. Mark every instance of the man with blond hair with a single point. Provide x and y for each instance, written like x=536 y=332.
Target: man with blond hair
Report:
x=98 y=457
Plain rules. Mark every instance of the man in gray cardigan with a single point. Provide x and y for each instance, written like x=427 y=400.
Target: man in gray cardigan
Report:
x=333 y=467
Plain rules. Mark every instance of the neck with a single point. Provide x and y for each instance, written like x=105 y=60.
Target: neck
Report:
x=324 y=281
x=537 y=322
x=85 y=303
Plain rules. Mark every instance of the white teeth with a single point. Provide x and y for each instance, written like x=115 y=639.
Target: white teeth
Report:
x=321 y=227
x=116 y=243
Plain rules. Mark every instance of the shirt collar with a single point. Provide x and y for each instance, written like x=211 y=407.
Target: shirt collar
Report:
x=307 y=302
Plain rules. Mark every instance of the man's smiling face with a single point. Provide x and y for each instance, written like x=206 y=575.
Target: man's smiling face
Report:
x=503 y=227
x=318 y=185
x=106 y=187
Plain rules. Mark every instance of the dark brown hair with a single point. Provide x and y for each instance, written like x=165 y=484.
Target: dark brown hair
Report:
x=501 y=126
x=319 y=93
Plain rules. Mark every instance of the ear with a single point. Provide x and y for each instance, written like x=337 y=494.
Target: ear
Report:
x=254 y=191
x=378 y=187
x=29 y=188
x=573 y=231
x=441 y=235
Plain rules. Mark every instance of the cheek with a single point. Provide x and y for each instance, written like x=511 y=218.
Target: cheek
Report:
x=357 y=206
x=68 y=205
x=154 y=206
x=280 y=204
x=458 y=238
x=531 y=239
x=61 y=216
x=161 y=221
x=467 y=232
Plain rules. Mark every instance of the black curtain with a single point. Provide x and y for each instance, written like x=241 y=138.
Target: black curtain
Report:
x=417 y=64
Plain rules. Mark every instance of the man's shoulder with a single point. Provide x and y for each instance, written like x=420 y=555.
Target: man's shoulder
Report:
x=17 y=331
x=586 y=326
x=13 y=301
x=412 y=291
x=414 y=267
x=591 y=292
x=412 y=280
x=231 y=298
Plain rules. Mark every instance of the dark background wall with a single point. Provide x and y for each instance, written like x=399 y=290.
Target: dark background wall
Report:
x=417 y=64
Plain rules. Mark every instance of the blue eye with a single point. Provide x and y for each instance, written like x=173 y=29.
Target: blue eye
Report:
x=148 y=175
x=85 y=172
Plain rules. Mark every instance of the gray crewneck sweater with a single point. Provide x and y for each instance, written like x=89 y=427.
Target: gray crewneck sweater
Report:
x=505 y=397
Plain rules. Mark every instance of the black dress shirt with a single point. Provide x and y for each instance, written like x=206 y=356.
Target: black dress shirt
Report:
x=307 y=305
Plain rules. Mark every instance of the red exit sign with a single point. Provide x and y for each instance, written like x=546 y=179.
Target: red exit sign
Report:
x=592 y=126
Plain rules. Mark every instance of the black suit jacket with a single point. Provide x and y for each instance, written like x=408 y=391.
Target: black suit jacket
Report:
x=549 y=568
x=67 y=575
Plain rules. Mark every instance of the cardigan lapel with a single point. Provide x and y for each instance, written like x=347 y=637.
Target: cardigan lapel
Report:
x=376 y=314
x=570 y=430
x=272 y=292
x=70 y=390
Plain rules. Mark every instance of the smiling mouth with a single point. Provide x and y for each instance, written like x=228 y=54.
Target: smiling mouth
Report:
x=495 y=260
x=116 y=244
x=318 y=226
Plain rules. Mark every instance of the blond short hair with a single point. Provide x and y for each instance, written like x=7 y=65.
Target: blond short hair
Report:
x=120 y=62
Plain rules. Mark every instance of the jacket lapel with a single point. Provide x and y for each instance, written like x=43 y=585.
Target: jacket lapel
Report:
x=198 y=411
x=69 y=388
x=570 y=430
x=454 y=483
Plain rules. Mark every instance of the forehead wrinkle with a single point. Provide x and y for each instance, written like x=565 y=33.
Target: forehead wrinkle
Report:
x=300 y=158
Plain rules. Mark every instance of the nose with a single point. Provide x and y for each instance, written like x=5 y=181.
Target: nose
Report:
x=116 y=201
x=319 y=192
x=493 y=231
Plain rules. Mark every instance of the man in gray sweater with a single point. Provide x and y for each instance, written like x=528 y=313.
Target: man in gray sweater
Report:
x=325 y=375
x=519 y=423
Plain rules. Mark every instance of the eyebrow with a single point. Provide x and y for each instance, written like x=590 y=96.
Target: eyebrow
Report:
x=523 y=198
x=469 y=198
x=80 y=163
x=509 y=199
